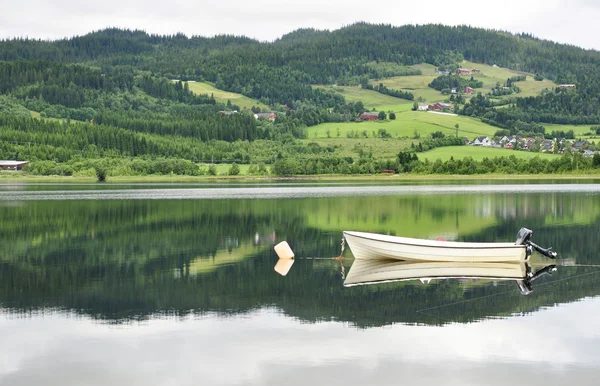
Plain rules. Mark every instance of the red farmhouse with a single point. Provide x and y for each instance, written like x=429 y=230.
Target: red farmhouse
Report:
x=370 y=116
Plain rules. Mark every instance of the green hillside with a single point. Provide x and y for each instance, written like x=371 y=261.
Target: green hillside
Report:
x=489 y=75
x=139 y=122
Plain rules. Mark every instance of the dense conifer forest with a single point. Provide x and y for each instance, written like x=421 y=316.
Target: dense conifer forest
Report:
x=118 y=94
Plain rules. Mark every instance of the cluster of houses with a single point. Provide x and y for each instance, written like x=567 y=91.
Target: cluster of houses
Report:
x=461 y=71
x=528 y=144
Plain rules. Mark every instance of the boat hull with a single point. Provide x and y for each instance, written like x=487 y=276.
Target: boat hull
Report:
x=376 y=246
x=365 y=272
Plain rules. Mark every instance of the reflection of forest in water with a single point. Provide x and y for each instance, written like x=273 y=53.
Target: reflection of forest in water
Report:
x=118 y=260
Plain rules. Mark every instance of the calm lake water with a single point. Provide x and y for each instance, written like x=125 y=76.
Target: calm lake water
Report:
x=175 y=285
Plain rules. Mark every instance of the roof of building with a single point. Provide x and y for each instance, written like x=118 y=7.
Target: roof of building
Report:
x=13 y=163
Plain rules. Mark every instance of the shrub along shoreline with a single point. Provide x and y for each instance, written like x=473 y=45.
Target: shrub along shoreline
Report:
x=405 y=163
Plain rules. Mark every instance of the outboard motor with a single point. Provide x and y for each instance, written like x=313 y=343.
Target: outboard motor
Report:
x=524 y=236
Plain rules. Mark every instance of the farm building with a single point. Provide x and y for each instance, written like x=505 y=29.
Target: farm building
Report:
x=547 y=146
x=567 y=86
x=482 y=141
x=440 y=106
x=12 y=165
x=579 y=145
x=468 y=90
x=463 y=71
x=270 y=116
x=369 y=116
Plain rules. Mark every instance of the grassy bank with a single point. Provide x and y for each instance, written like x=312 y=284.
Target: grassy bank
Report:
x=478 y=153
x=28 y=178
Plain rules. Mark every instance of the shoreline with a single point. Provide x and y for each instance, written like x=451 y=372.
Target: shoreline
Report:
x=25 y=178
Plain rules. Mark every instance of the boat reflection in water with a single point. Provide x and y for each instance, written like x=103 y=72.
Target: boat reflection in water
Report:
x=376 y=271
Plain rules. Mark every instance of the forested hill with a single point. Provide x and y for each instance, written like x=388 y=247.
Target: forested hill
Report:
x=279 y=72
x=321 y=55
x=122 y=80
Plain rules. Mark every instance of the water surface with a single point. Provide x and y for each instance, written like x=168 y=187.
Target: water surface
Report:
x=175 y=285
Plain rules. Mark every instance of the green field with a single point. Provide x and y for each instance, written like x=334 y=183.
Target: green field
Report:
x=222 y=169
x=371 y=99
x=478 y=153
x=416 y=84
x=223 y=96
x=406 y=124
x=426 y=69
x=580 y=131
x=380 y=148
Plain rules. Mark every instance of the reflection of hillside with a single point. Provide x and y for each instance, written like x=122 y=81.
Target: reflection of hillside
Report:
x=230 y=255
x=412 y=216
x=115 y=260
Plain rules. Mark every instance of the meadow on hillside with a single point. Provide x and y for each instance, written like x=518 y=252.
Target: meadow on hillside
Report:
x=223 y=96
x=409 y=124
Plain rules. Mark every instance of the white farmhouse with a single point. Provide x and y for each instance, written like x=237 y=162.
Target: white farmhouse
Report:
x=482 y=141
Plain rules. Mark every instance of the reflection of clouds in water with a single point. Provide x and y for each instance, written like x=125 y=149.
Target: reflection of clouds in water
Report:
x=257 y=192
x=556 y=204
x=266 y=347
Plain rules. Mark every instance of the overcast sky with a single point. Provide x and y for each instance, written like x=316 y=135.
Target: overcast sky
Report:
x=566 y=21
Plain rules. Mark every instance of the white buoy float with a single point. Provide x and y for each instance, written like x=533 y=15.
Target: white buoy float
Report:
x=286 y=258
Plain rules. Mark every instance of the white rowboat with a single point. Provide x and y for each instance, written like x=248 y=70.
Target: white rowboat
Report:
x=376 y=246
